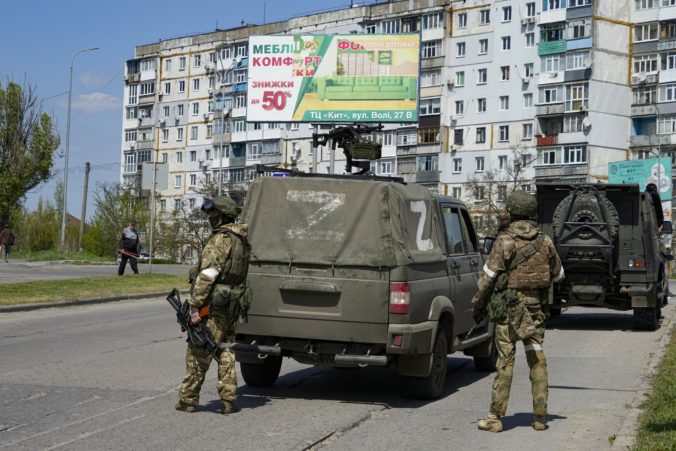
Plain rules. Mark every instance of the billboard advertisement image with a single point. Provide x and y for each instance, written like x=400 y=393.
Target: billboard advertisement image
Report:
x=333 y=78
x=642 y=172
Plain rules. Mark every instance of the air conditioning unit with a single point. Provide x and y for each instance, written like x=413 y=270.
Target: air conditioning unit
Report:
x=553 y=74
x=162 y=121
x=177 y=118
x=132 y=146
x=651 y=78
x=450 y=84
x=639 y=78
x=524 y=21
x=205 y=116
x=531 y=19
x=208 y=68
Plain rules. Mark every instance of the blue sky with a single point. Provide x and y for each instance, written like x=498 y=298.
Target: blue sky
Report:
x=39 y=37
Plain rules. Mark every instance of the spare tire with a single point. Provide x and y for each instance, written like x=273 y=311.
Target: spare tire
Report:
x=587 y=208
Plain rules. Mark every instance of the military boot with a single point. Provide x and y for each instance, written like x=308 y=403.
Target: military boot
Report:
x=229 y=407
x=184 y=407
x=539 y=423
x=492 y=423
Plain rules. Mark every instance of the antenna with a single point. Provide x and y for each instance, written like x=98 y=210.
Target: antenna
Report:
x=264 y=13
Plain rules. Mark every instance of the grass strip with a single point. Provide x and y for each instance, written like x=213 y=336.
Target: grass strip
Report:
x=657 y=427
x=88 y=288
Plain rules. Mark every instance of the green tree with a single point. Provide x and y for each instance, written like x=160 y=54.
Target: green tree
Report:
x=27 y=144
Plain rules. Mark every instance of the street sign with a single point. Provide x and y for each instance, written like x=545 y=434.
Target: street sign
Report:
x=161 y=176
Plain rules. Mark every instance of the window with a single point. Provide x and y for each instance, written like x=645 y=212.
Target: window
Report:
x=667 y=93
x=501 y=192
x=240 y=75
x=483 y=46
x=481 y=105
x=163 y=205
x=457 y=192
x=645 y=32
x=527 y=131
x=502 y=162
x=133 y=95
x=572 y=123
x=530 y=40
x=179 y=157
x=574 y=154
x=147 y=64
x=239 y=125
x=210 y=131
x=479 y=164
x=528 y=100
x=506 y=42
x=506 y=13
x=551 y=63
x=179 y=110
x=130 y=135
x=668 y=61
x=666 y=124
x=504 y=73
x=647 y=94
x=385 y=167
x=480 y=192
x=503 y=133
x=548 y=156
x=167 y=64
x=459 y=107
x=551 y=94
x=430 y=78
x=431 y=49
x=197 y=60
x=407 y=138
x=552 y=32
x=167 y=87
x=578 y=60
x=430 y=106
x=196 y=84
x=577 y=96
x=462 y=20
x=528 y=70
x=427 y=163
x=668 y=2
x=165 y=157
x=553 y=4
x=178 y=182
x=181 y=86
x=242 y=50
x=578 y=29
x=165 y=135
x=434 y=20
x=480 y=135
x=459 y=136
x=457 y=164
x=482 y=76
x=253 y=151
x=181 y=63
x=460 y=50
x=193 y=134
x=485 y=16
x=387 y=138
x=390 y=26
x=240 y=101
x=460 y=78
x=575 y=3
x=193 y=182
x=370 y=28
x=504 y=103
x=530 y=9
x=195 y=108
x=646 y=4
x=428 y=135
x=179 y=134
x=147 y=88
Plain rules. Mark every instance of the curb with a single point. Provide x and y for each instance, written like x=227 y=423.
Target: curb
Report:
x=57 y=304
x=626 y=436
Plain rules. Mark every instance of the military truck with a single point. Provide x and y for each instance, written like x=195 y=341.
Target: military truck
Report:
x=608 y=241
x=360 y=271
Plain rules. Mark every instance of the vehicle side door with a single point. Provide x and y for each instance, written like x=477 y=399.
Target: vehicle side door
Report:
x=462 y=265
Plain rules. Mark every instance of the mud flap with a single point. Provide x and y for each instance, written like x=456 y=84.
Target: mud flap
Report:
x=415 y=365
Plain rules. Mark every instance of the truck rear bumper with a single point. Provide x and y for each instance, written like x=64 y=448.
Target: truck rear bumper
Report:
x=415 y=338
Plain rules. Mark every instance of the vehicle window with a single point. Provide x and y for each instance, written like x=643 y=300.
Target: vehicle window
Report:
x=470 y=236
x=454 y=232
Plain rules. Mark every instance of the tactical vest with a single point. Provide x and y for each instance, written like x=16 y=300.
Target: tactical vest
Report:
x=236 y=266
x=530 y=265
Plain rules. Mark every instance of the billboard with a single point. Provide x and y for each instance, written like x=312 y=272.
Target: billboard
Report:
x=642 y=172
x=333 y=78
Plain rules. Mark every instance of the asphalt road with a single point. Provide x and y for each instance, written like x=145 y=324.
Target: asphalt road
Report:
x=105 y=377
x=24 y=271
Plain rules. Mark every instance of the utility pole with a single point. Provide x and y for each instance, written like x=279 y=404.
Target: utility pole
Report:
x=84 y=206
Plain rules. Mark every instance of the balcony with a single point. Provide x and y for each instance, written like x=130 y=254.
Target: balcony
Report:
x=546 y=140
x=148 y=144
x=560 y=170
x=427 y=176
x=549 y=109
x=550 y=47
x=652 y=140
x=132 y=78
x=130 y=168
x=644 y=110
x=404 y=151
x=274 y=158
x=237 y=162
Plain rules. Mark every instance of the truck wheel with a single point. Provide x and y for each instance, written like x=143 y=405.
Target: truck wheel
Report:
x=264 y=374
x=432 y=386
x=487 y=363
x=646 y=318
x=586 y=209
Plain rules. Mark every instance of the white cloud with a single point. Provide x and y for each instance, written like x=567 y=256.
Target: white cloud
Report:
x=94 y=102
x=89 y=79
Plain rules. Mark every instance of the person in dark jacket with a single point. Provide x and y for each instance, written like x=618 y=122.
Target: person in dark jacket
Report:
x=129 y=248
x=651 y=189
x=7 y=241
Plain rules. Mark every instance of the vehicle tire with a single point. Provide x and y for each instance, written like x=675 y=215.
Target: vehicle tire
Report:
x=554 y=312
x=432 y=386
x=646 y=318
x=264 y=374
x=487 y=363
x=586 y=209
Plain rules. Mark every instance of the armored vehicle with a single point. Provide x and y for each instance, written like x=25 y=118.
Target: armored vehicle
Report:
x=607 y=238
x=358 y=271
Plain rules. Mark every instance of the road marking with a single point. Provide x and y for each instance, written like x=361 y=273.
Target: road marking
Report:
x=89 y=434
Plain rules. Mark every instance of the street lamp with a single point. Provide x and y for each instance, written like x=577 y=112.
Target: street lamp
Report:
x=65 y=172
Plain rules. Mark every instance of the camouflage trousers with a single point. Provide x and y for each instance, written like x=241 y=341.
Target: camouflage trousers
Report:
x=505 y=341
x=197 y=361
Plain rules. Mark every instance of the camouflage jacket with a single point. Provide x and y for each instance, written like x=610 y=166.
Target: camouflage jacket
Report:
x=503 y=252
x=214 y=259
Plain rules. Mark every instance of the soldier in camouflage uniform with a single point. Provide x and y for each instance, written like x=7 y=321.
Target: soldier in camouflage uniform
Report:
x=521 y=268
x=221 y=273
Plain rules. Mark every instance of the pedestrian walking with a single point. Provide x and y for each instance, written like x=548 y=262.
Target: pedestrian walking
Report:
x=7 y=240
x=129 y=248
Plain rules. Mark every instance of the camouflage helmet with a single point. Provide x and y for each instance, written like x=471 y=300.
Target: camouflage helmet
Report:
x=223 y=204
x=520 y=204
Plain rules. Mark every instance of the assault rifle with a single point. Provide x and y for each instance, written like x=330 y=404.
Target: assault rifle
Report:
x=197 y=334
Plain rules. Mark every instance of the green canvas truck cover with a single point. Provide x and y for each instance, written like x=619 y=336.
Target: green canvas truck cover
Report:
x=342 y=222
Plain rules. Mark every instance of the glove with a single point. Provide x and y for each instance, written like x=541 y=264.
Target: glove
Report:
x=478 y=314
x=194 y=316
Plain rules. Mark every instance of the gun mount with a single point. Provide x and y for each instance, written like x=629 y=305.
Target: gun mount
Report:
x=355 y=147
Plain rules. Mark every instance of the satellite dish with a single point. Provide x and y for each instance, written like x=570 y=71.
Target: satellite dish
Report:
x=586 y=123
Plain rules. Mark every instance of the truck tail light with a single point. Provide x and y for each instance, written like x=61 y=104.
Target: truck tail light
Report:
x=400 y=297
x=636 y=263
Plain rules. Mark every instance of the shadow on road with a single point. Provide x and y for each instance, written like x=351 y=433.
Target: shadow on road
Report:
x=524 y=420
x=593 y=321
x=359 y=385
